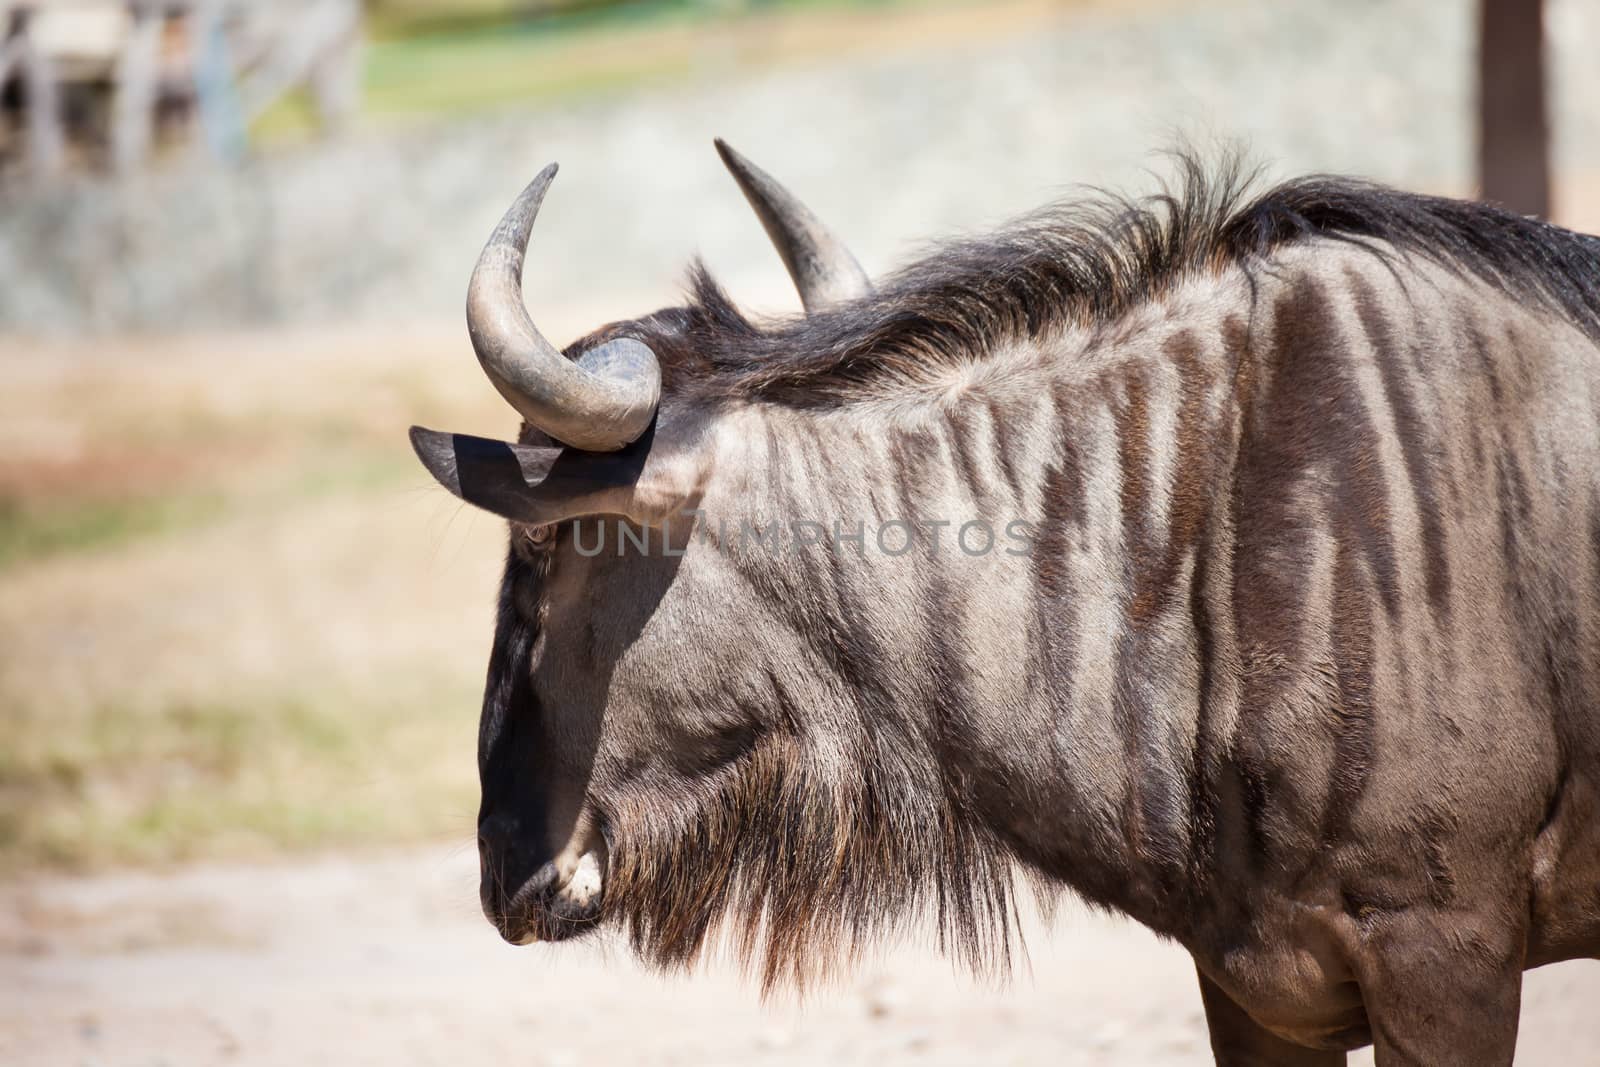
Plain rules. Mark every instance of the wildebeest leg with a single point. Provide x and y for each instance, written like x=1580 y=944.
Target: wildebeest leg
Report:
x=1239 y=1041
x=1441 y=988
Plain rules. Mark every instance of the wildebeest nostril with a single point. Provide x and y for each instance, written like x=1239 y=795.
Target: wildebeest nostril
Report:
x=511 y=862
x=496 y=835
x=498 y=862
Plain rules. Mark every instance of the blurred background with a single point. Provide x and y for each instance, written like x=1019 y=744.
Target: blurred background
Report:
x=242 y=635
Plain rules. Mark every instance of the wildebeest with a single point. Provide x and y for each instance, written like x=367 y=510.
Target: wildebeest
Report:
x=1292 y=652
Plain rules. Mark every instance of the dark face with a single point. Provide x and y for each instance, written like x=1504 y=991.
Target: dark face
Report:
x=608 y=687
x=614 y=682
x=532 y=787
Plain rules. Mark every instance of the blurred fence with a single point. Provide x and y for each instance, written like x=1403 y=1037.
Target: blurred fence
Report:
x=97 y=82
x=892 y=139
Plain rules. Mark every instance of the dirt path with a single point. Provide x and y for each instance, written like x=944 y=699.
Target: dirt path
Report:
x=386 y=961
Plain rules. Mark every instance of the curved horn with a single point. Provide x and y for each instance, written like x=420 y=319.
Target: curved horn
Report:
x=599 y=403
x=822 y=267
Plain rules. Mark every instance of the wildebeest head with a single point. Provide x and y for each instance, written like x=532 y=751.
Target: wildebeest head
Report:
x=638 y=755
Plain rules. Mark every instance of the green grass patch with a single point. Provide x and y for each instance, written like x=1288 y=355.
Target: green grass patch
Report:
x=444 y=78
x=31 y=529
x=34 y=528
x=428 y=58
x=270 y=772
x=401 y=19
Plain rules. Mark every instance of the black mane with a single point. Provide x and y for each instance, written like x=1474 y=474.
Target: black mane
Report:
x=1090 y=262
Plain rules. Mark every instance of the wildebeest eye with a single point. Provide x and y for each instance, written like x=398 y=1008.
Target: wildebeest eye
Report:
x=530 y=545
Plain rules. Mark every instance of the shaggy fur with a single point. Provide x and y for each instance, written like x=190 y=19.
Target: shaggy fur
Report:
x=803 y=867
x=796 y=860
x=1088 y=263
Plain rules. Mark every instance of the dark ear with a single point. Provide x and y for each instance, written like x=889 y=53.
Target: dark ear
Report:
x=531 y=483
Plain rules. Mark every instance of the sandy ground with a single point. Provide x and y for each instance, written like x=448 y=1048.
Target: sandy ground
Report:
x=386 y=961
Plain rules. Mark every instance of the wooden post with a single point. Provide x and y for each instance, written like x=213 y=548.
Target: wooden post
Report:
x=215 y=81
x=20 y=54
x=133 y=109
x=10 y=43
x=1513 y=128
x=335 y=77
x=44 y=113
